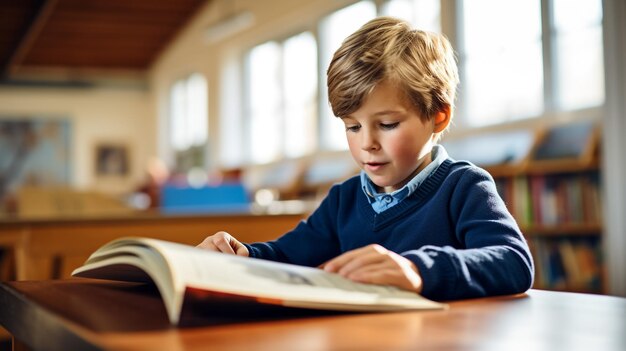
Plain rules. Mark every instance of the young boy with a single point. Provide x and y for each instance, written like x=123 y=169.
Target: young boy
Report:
x=414 y=218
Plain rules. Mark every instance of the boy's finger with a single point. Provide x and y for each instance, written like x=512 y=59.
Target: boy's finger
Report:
x=207 y=244
x=333 y=265
x=223 y=245
x=360 y=262
x=242 y=250
x=338 y=263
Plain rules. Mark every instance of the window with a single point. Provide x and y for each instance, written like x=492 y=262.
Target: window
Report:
x=423 y=14
x=282 y=98
x=264 y=102
x=333 y=30
x=188 y=124
x=579 y=62
x=518 y=61
x=300 y=86
x=502 y=60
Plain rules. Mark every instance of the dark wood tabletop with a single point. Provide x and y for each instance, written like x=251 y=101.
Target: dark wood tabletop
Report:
x=82 y=314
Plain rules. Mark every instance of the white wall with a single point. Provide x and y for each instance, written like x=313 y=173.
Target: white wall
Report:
x=97 y=115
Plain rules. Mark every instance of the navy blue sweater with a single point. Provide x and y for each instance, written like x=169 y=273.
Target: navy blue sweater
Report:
x=454 y=227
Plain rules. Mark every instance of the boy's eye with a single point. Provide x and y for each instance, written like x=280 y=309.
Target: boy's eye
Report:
x=389 y=125
x=353 y=128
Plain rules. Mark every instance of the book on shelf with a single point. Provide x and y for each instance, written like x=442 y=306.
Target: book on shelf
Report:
x=571 y=266
x=552 y=200
x=568 y=264
x=181 y=271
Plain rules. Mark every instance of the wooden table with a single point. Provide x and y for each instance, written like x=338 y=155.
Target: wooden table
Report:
x=81 y=314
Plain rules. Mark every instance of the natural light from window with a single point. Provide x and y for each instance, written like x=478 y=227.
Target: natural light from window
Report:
x=282 y=98
x=265 y=127
x=502 y=60
x=579 y=58
x=300 y=91
x=423 y=14
x=188 y=112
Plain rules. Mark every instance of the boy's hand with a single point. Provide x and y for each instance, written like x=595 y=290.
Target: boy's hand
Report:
x=374 y=264
x=224 y=242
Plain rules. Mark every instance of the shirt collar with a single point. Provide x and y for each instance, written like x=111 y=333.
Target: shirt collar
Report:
x=438 y=155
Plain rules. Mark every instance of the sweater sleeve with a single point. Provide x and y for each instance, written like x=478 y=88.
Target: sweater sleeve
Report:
x=311 y=243
x=492 y=257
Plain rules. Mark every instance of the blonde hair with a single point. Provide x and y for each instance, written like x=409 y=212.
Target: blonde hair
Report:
x=421 y=63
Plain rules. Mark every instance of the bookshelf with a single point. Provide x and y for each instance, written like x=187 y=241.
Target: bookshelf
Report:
x=552 y=186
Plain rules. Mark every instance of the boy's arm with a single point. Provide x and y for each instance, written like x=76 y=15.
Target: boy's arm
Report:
x=495 y=259
x=312 y=242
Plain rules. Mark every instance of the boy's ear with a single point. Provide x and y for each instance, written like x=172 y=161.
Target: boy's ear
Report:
x=442 y=119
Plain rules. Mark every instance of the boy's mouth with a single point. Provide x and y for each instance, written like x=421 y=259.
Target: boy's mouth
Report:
x=374 y=166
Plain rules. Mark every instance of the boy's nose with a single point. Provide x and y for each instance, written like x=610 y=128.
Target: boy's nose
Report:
x=368 y=141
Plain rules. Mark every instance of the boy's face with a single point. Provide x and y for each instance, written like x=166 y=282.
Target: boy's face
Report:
x=388 y=138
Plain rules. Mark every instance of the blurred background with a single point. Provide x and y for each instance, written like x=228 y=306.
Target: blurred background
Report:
x=115 y=109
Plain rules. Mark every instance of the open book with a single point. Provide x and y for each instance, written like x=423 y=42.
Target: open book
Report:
x=175 y=268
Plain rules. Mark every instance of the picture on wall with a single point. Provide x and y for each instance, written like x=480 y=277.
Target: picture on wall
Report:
x=112 y=160
x=34 y=151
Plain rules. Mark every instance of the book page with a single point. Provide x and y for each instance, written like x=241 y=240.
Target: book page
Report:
x=208 y=270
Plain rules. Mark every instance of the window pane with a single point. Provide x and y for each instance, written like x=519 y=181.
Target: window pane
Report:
x=333 y=30
x=300 y=90
x=264 y=102
x=188 y=122
x=178 y=112
x=197 y=121
x=503 y=67
x=505 y=85
x=579 y=58
x=423 y=14
x=233 y=139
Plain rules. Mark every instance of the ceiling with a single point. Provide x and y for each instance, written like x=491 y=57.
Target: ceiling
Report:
x=43 y=38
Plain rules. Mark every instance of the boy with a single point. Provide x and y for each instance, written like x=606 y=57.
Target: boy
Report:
x=414 y=218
